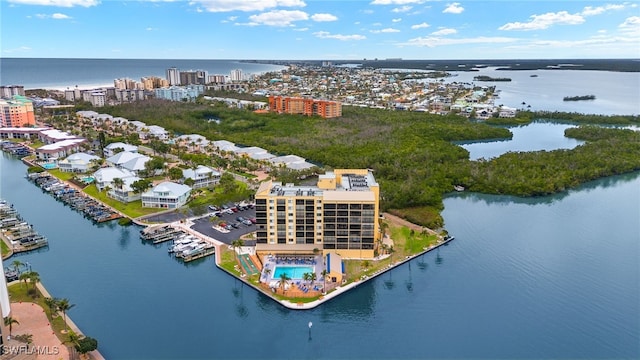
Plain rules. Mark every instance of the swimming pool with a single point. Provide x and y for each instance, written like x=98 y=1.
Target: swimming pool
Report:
x=293 y=272
x=49 y=166
x=88 y=179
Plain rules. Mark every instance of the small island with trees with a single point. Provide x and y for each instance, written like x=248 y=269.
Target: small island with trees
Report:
x=578 y=98
x=489 y=78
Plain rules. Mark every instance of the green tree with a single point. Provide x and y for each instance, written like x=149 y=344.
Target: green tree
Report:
x=16 y=264
x=283 y=281
x=140 y=186
x=9 y=321
x=324 y=274
x=86 y=345
x=64 y=305
x=228 y=183
x=118 y=183
x=175 y=173
x=52 y=303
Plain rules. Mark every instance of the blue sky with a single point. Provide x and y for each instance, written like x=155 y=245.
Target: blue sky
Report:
x=323 y=30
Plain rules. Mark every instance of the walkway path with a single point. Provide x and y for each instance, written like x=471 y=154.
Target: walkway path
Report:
x=33 y=320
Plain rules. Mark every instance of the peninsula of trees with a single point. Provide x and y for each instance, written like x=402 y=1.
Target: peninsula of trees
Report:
x=489 y=78
x=413 y=154
x=578 y=98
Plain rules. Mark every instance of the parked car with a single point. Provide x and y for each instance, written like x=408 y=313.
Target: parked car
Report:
x=247 y=222
x=213 y=208
x=235 y=225
x=240 y=218
x=253 y=220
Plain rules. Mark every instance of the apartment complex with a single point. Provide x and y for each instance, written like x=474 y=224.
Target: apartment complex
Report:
x=17 y=112
x=339 y=215
x=305 y=106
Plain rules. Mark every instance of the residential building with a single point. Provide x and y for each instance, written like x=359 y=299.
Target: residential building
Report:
x=224 y=145
x=77 y=163
x=104 y=176
x=236 y=75
x=193 y=77
x=293 y=162
x=202 y=176
x=254 y=152
x=17 y=112
x=305 y=106
x=125 y=193
x=21 y=133
x=339 y=215
x=133 y=162
x=11 y=90
x=166 y=195
x=117 y=147
x=176 y=93
x=173 y=76
x=60 y=149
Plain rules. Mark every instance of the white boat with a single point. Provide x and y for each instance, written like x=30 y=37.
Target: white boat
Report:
x=194 y=250
x=181 y=243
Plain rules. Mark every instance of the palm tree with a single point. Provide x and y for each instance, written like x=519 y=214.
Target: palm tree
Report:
x=313 y=277
x=16 y=264
x=72 y=339
x=52 y=303
x=238 y=243
x=324 y=274
x=284 y=278
x=306 y=276
x=24 y=277
x=64 y=306
x=118 y=182
x=267 y=271
x=34 y=278
x=9 y=321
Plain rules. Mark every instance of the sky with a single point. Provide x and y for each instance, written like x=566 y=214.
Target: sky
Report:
x=319 y=30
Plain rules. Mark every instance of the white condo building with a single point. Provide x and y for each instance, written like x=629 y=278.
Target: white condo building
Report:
x=173 y=76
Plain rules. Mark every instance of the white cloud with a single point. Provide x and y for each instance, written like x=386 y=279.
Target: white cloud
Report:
x=301 y=29
x=444 y=31
x=396 y=20
x=453 y=8
x=323 y=17
x=232 y=18
x=402 y=9
x=631 y=26
x=56 y=16
x=59 y=3
x=59 y=16
x=327 y=35
x=544 y=21
x=433 y=41
x=396 y=2
x=20 y=49
x=420 y=26
x=278 y=17
x=151 y=29
x=245 y=5
x=387 y=30
x=376 y=24
x=590 y=11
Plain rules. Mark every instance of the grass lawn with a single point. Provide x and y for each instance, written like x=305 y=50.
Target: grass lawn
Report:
x=62 y=175
x=133 y=209
x=18 y=293
x=5 y=248
x=218 y=196
x=405 y=243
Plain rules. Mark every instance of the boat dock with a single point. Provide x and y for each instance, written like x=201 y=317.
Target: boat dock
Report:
x=16 y=233
x=160 y=233
x=77 y=200
x=209 y=250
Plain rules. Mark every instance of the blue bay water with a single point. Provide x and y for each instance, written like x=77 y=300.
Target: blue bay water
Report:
x=549 y=277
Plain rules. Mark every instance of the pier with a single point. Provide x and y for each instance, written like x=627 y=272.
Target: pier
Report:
x=18 y=235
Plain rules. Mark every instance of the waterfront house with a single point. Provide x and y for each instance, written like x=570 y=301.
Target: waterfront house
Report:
x=117 y=147
x=507 y=112
x=104 y=176
x=133 y=162
x=125 y=192
x=166 y=195
x=77 y=163
x=202 y=176
x=20 y=133
x=59 y=149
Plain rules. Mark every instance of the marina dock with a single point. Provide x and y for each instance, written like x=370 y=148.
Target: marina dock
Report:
x=77 y=200
x=19 y=235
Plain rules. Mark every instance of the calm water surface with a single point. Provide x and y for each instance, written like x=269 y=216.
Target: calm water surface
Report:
x=532 y=137
x=551 y=277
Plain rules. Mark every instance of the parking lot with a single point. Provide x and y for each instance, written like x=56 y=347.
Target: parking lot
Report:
x=205 y=226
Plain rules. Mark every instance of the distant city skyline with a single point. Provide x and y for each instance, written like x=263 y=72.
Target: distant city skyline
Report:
x=322 y=30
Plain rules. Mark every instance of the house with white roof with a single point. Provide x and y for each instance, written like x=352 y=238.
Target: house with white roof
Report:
x=87 y=114
x=77 y=163
x=104 y=176
x=193 y=142
x=59 y=149
x=155 y=131
x=111 y=149
x=125 y=192
x=51 y=136
x=293 y=162
x=224 y=145
x=255 y=153
x=166 y=195
x=133 y=162
x=202 y=176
